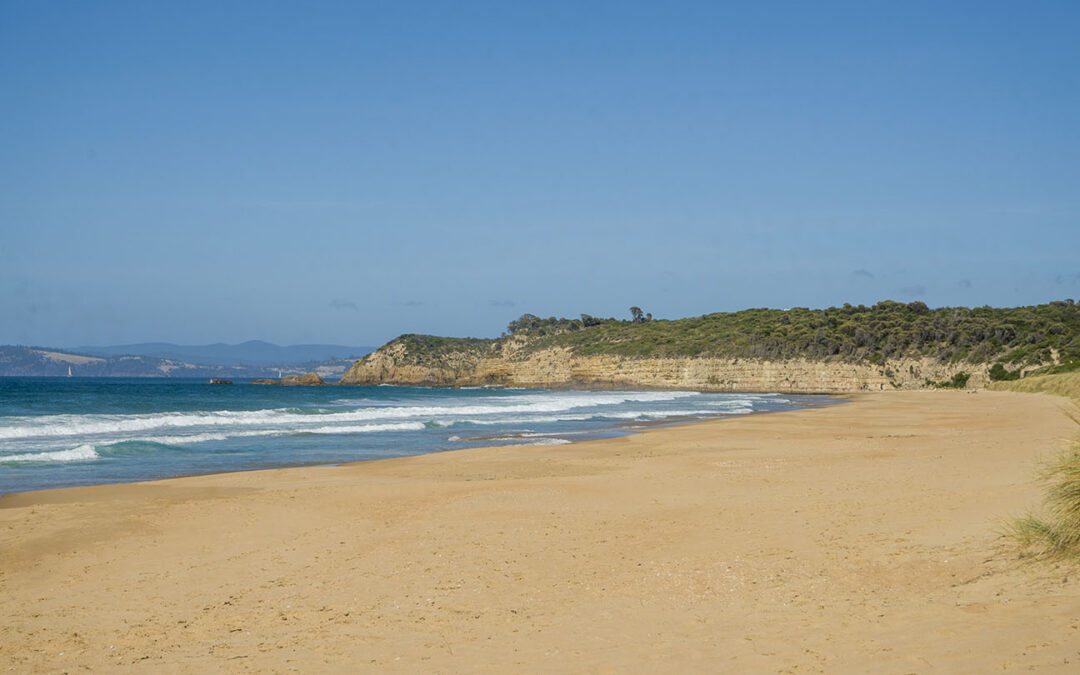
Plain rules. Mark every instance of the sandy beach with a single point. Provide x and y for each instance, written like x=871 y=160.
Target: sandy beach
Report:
x=863 y=537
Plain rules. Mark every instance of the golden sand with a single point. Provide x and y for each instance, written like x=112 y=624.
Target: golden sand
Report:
x=855 y=538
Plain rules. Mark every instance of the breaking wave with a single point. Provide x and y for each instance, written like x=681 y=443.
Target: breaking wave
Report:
x=81 y=453
x=89 y=442
x=55 y=426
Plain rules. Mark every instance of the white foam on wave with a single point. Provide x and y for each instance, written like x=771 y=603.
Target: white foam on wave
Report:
x=54 y=426
x=598 y=415
x=362 y=428
x=353 y=429
x=545 y=441
x=661 y=414
x=746 y=399
x=77 y=454
x=730 y=402
x=88 y=451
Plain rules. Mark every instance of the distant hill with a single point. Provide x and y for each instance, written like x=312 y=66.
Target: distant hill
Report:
x=250 y=353
x=23 y=361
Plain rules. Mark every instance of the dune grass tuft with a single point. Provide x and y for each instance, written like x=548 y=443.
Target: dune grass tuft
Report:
x=1063 y=384
x=1056 y=532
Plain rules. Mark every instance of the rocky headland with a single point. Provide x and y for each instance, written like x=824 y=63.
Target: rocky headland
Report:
x=889 y=346
x=561 y=368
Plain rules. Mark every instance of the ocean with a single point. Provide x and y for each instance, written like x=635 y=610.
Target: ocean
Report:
x=61 y=432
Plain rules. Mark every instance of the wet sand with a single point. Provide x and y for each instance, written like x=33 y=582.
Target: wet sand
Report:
x=855 y=538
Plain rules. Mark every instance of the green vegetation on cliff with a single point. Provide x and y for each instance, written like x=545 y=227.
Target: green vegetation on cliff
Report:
x=1015 y=337
x=849 y=348
x=432 y=350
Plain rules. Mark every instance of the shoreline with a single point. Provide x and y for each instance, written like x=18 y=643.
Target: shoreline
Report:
x=619 y=430
x=841 y=538
x=616 y=428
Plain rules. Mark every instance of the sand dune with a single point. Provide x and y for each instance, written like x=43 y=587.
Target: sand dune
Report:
x=852 y=538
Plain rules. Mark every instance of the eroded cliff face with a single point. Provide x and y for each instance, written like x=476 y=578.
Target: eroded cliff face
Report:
x=508 y=365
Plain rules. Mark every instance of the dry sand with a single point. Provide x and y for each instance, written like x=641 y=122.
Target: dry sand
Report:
x=855 y=538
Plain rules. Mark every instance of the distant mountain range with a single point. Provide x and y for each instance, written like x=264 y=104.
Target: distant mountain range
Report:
x=253 y=359
x=250 y=353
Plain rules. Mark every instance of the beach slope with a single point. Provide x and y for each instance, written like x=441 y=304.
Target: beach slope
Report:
x=853 y=538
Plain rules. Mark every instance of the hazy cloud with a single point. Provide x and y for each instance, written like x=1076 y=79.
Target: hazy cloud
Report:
x=502 y=303
x=915 y=290
x=863 y=273
x=1067 y=278
x=338 y=303
x=965 y=283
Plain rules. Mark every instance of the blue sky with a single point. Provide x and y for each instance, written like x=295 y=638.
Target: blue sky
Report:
x=346 y=172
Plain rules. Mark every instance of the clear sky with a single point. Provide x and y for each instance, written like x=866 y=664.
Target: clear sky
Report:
x=347 y=171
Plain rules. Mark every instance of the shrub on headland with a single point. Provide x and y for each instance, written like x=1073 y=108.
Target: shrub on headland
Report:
x=958 y=381
x=1018 y=341
x=998 y=373
x=1015 y=337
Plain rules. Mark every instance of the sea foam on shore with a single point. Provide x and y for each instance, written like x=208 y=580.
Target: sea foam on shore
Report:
x=56 y=432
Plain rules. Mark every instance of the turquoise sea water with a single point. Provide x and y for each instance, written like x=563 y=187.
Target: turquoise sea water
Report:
x=57 y=432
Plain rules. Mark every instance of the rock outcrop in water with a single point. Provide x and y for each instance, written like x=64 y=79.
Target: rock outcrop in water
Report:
x=307 y=379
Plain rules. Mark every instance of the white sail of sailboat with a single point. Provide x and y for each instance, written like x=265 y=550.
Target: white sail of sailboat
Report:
x=69 y=371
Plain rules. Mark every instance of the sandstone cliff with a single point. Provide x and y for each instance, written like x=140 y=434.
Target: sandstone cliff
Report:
x=501 y=365
x=889 y=345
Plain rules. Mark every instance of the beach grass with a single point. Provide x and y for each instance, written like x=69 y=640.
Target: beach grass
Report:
x=1054 y=533
x=1062 y=384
